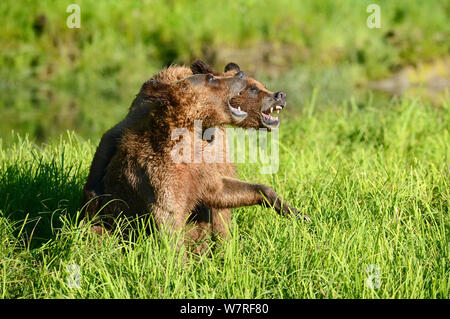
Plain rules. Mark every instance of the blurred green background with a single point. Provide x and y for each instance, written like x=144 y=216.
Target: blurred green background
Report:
x=53 y=78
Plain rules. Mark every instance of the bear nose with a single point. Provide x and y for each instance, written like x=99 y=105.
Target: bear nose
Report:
x=241 y=75
x=280 y=96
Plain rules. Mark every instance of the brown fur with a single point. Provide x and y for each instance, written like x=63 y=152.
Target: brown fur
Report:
x=142 y=174
x=250 y=100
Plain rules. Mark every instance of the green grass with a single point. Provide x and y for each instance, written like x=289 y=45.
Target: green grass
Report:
x=375 y=182
x=372 y=173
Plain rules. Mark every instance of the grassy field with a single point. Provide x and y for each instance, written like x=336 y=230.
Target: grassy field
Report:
x=375 y=182
x=371 y=170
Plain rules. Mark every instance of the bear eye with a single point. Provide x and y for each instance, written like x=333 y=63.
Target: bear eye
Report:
x=210 y=78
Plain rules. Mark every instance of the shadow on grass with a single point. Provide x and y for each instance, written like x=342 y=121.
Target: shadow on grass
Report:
x=33 y=198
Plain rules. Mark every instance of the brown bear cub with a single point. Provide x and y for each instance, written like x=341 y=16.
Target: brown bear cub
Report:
x=133 y=164
x=255 y=100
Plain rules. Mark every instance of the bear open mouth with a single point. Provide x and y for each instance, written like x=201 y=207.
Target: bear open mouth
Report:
x=237 y=114
x=269 y=120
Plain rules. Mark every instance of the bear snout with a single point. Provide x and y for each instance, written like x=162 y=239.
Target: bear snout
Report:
x=280 y=97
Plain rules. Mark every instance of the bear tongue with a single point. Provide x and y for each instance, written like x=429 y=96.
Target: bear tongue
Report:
x=270 y=110
x=268 y=116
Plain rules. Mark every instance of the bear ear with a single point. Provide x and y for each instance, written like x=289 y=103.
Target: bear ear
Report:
x=232 y=67
x=201 y=67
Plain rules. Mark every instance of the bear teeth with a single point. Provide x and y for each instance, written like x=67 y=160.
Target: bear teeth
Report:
x=271 y=109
